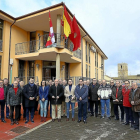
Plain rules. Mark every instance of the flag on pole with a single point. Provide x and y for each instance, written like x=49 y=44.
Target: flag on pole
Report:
x=51 y=38
x=67 y=23
x=75 y=37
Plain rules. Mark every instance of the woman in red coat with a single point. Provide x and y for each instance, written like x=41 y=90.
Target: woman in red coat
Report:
x=126 y=104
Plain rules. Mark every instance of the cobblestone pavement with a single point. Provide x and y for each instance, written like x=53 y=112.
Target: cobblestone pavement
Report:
x=95 y=129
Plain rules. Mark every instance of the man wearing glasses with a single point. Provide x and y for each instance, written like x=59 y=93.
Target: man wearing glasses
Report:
x=126 y=104
x=134 y=98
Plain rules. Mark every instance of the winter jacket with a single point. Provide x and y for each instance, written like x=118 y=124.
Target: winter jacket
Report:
x=28 y=92
x=14 y=99
x=56 y=91
x=69 y=93
x=83 y=93
x=104 y=92
x=43 y=93
x=136 y=99
x=92 y=92
x=125 y=93
x=119 y=95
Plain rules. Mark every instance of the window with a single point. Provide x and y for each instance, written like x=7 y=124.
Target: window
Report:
x=1 y=28
x=97 y=59
x=86 y=71
x=95 y=72
x=89 y=53
x=0 y=66
x=86 y=52
x=1 y=33
x=89 y=71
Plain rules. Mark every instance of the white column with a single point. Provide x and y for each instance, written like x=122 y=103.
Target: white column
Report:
x=58 y=29
x=57 y=66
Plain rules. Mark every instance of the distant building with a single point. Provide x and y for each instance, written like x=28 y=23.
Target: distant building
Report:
x=123 y=74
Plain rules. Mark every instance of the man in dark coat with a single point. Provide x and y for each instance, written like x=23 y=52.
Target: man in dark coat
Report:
x=134 y=99
x=93 y=96
x=112 y=85
x=14 y=100
x=118 y=100
x=30 y=93
x=7 y=86
x=56 y=93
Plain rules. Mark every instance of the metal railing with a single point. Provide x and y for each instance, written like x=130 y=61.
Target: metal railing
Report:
x=1 y=42
x=75 y=79
x=77 y=53
x=35 y=45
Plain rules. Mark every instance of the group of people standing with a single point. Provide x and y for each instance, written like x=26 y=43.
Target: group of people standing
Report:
x=60 y=97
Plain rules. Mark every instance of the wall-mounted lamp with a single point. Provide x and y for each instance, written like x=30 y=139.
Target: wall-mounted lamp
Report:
x=37 y=65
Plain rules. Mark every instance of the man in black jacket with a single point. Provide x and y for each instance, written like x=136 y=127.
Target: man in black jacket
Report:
x=118 y=100
x=112 y=85
x=93 y=96
x=30 y=93
x=56 y=93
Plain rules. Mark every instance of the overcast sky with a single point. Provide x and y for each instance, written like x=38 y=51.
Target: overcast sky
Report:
x=113 y=24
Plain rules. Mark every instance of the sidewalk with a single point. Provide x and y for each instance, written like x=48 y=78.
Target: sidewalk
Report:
x=8 y=132
x=95 y=129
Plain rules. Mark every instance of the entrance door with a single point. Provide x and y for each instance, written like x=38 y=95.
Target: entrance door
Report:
x=49 y=70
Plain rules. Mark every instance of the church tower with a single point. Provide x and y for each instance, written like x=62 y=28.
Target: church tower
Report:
x=123 y=70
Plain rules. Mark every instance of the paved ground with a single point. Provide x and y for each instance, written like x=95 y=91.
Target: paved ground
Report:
x=95 y=129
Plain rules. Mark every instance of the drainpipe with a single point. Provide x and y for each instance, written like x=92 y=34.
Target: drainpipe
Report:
x=82 y=52
x=10 y=68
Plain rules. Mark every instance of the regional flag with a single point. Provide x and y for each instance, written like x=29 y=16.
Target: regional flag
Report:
x=75 y=37
x=67 y=23
x=51 y=38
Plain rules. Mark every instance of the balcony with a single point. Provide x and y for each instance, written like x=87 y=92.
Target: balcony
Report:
x=1 y=45
x=37 y=47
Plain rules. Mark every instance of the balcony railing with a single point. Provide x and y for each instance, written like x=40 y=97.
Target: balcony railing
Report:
x=75 y=79
x=1 y=45
x=36 y=45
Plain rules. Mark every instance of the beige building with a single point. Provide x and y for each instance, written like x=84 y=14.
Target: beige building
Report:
x=23 y=53
x=123 y=74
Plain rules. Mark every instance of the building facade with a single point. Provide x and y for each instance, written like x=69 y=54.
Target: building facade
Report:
x=23 y=53
x=123 y=74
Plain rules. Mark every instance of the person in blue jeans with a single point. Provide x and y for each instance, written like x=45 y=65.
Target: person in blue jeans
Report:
x=104 y=93
x=43 y=99
x=70 y=98
x=81 y=93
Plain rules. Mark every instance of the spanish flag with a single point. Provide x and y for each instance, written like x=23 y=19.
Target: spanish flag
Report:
x=67 y=23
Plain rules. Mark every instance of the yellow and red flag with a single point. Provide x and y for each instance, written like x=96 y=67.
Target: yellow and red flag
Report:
x=67 y=23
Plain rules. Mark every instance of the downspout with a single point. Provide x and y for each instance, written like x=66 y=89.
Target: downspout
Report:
x=82 y=52
x=10 y=68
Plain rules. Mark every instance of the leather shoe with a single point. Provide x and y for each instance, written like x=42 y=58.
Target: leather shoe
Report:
x=59 y=120
x=3 y=121
x=67 y=119
x=85 y=121
x=73 y=119
x=53 y=120
x=79 y=121
x=125 y=123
